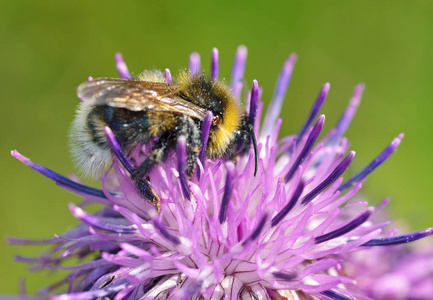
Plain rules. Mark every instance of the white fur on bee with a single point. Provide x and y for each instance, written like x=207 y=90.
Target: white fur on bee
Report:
x=153 y=76
x=92 y=159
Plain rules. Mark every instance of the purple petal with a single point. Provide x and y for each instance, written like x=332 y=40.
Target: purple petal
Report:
x=214 y=66
x=334 y=295
x=171 y=238
x=167 y=75
x=19 y=241
x=254 y=101
x=348 y=114
x=98 y=223
x=194 y=64
x=205 y=128
x=117 y=150
x=228 y=189
x=139 y=252
x=237 y=90
x=277 y=219
x=181 y=166
x=327 y=222
x=42 y=260
x=121 y=67
x=344 y=229
x=278 y=97
x=257 y=230
x=112 y=288
x=315 y=109
x=239 y=66
x=402 y=239
x=355 y=243
x=382 y=204
x=99 y=263
x=285 y=276
x=314 y=134
x=380 y=159
x=336 y=173
x=318 y=266
x=59 y=179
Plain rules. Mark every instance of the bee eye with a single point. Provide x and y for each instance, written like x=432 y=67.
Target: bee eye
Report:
x=216 y=120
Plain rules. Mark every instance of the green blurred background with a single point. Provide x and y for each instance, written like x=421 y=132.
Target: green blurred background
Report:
x=49 y=47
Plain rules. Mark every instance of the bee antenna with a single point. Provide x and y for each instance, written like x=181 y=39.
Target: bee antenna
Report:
x=256 y=152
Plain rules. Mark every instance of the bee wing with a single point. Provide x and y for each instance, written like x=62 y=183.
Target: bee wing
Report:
x=137 y=95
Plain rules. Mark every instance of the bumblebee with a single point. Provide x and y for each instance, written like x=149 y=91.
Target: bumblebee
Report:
x=149 y=109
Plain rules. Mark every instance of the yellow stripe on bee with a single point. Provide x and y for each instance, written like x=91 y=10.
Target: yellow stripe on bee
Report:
x=224 y=133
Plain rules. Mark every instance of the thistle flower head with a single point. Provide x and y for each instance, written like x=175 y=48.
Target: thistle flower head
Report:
x=225 y=232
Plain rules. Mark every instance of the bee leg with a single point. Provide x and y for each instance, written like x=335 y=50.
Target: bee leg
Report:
x=159 y=153
x=145 y=189
x=193 y=143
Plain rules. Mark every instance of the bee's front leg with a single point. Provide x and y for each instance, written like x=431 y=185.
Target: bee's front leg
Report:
x=146 y=191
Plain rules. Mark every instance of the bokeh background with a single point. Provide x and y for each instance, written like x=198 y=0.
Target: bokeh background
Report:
x=49 y=47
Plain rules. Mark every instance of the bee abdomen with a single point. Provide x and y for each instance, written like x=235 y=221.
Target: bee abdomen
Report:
x=89 y=146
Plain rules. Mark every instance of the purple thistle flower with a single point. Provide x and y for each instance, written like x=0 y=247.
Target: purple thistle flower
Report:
x=225 y=233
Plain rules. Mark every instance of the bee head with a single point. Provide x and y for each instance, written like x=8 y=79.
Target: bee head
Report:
x=231 y=131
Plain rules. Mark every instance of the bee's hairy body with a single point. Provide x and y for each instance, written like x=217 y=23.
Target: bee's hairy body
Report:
x=133 y=126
